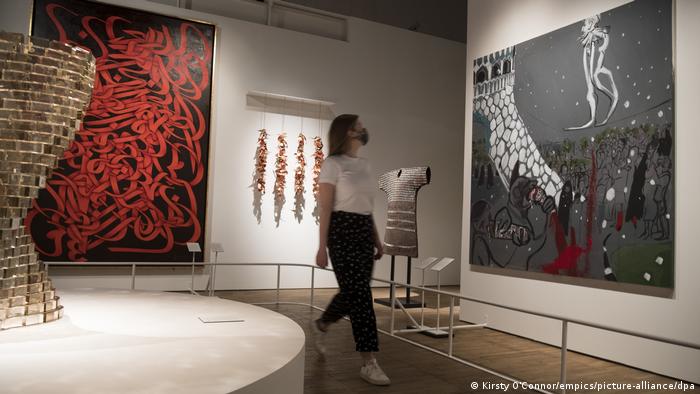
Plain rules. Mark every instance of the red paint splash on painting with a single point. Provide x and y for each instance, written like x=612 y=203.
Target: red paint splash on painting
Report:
x=619 y=221
x=131 y=170
x=569 y=254
x=566 y=261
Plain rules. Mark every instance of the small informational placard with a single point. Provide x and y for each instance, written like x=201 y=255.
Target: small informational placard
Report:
x=440 y=265
x=425 y=264
x=217 y=247
x=193 y=247
x=220 y=319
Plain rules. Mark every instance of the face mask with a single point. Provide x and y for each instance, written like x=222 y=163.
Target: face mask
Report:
x=363 y=136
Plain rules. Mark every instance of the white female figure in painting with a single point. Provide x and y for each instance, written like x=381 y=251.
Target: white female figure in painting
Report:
x=595 y=41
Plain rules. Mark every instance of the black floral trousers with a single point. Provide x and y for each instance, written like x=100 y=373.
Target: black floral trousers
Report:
x=351 y=250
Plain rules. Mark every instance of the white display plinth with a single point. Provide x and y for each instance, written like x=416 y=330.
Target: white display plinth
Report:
x=118 y=341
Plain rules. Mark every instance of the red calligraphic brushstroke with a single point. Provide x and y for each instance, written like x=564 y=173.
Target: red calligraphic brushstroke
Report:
x=138 y=156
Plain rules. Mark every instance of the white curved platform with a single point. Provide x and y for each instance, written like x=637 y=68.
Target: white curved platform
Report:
x=116 y=341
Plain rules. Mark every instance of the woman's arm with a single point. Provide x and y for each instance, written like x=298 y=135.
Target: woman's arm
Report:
x=326 y=195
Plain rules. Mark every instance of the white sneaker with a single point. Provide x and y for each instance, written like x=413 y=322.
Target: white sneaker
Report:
x=319 y=337
x=373 y=374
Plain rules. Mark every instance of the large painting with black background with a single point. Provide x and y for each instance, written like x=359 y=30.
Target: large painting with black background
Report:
x=573 y=150
x=133 y=185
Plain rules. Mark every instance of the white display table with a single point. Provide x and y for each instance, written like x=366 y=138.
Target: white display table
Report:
x=118 y=341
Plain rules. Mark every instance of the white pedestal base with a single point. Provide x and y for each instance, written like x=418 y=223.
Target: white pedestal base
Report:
x=118 y=341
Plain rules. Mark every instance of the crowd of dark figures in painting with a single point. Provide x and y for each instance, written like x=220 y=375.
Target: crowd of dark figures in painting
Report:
x=637 y=161
x=594 y=200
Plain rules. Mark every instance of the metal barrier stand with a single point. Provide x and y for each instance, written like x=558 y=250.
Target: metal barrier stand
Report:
x=451 y=327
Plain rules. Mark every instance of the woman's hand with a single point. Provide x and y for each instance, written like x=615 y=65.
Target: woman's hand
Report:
x=380 y=250
x=322 y=258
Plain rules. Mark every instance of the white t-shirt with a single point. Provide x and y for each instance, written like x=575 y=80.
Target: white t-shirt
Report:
x=355 y=183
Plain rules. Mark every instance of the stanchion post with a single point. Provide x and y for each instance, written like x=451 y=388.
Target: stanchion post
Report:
x=133 y=276
x=562 y=375
x=393 y=307
x=437 y=307
x=192 y=285
x=422 y=301
x=217 y=248
x=391 y=278
x=450 y=332
x=213 y=274
x=408 y=280
x=279 y=267
x=193 y=247
x=423 y=266
x=313 y=274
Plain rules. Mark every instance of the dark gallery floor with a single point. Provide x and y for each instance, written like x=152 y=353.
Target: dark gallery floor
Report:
x=415 y=370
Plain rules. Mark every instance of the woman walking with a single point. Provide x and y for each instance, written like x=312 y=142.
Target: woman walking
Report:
x=349 y=237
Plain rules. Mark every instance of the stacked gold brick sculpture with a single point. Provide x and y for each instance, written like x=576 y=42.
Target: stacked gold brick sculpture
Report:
x=45 y=87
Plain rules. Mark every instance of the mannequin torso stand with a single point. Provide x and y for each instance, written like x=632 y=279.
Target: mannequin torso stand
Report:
x=405 y=301
x=401 y=237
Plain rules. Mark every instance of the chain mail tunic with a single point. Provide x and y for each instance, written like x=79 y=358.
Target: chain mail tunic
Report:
x=401 y=187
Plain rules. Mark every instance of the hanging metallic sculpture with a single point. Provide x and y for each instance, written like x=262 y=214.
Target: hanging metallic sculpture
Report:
x=280 y=176
x=401 y=187
x=45 y=87
x=318 y=160
x=281 y=166
x=300 y=172
x=260 y=162
x=299 y=178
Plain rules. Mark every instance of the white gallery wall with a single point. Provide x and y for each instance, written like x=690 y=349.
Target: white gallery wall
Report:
x=495 y=25
x=408 y=89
